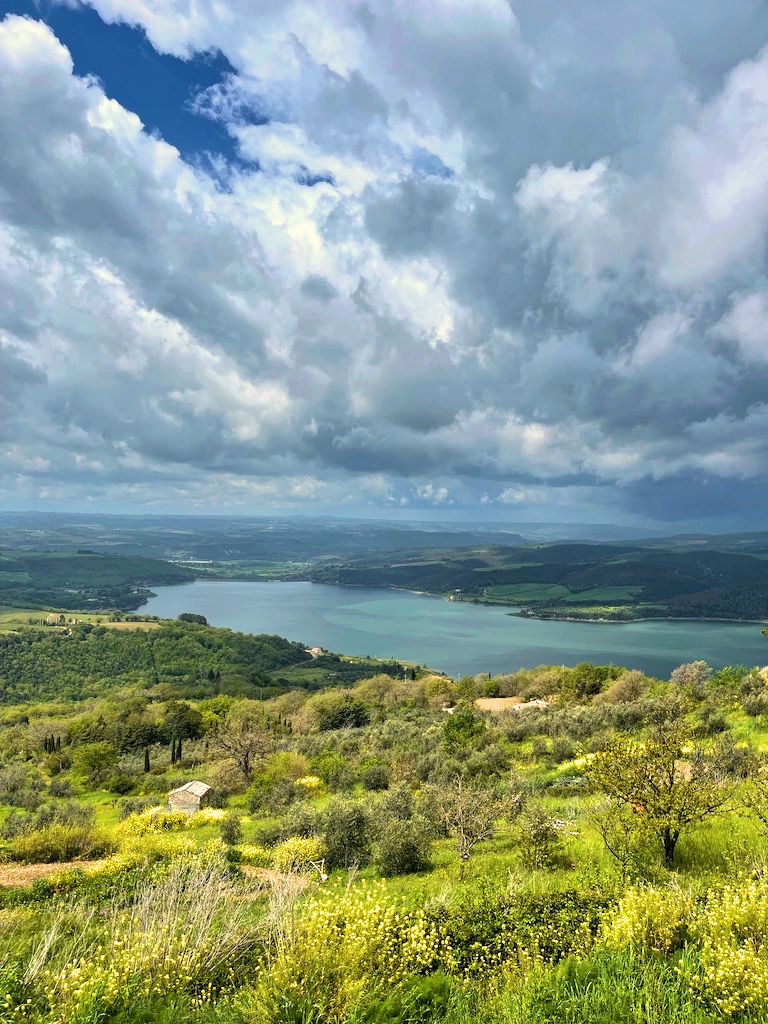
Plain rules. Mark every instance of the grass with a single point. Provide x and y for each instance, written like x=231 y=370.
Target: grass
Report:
x=12 y=619
x=607 y=594
x=526 y=592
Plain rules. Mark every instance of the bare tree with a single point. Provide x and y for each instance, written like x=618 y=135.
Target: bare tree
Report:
x=244 y=736
x=474 y=813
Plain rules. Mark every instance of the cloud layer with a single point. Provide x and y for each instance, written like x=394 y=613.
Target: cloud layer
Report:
x=474 y=256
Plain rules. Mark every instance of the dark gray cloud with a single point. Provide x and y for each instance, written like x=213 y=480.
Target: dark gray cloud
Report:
x=535 y=277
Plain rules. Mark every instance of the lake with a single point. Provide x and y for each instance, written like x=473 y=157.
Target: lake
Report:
x=454 y=637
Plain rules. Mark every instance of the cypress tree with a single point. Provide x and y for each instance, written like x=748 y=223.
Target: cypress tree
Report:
x=178 y=749
x=146 y=760
x=58 y=742
x=173 y=750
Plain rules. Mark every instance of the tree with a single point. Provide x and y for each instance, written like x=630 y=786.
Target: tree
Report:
x=460 y=729
x=199 y=620
x=91 y=759
x=244 y=735
x=668 y=782
x=472 y=814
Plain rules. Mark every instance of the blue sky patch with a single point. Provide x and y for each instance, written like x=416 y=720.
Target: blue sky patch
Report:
x=159 y=88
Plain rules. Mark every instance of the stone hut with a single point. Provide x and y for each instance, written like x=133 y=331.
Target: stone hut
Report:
x=189 y=797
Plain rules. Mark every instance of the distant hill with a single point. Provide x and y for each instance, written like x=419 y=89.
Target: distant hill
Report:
x=577 y=580
x=82 y=580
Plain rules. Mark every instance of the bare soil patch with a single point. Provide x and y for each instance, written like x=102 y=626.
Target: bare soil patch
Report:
x=23 y=875
x=498 y=705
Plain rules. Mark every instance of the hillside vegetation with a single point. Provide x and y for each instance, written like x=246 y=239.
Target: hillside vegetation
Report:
x=591 y=849
x=82 y=581
x=184 y=659
x=607 y=581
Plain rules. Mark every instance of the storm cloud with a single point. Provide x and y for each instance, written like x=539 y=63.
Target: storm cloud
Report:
x=487 y=256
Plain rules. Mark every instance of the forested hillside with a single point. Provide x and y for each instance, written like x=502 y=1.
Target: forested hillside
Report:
x=83 y=580
x=174 y=659
x=607 y=581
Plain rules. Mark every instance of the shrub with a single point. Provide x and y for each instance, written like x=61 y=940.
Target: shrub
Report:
x=60 y=788
x=345 y=828
x=375 y=777
x=733 y=966
x=231 y=830
x=540 y=838
x=297 y=853
x=154 y=819
x=58 y=842
x=121 y=784
x=258 y=856
x=403 y=846
x=136 y=805
x=658 y=919
x=271 y=793
x=338 y=945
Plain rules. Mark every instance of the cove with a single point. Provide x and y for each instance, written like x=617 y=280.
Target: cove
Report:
x=454 y=637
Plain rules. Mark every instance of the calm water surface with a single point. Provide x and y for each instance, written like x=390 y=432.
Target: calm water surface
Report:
x=454 y=637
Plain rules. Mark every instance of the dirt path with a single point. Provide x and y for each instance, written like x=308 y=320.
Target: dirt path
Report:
x=23 y=875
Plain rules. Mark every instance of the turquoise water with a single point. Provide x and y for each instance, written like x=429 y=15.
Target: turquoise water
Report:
x=454 y=637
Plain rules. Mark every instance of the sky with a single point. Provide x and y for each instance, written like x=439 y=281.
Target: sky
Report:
x=485 y=260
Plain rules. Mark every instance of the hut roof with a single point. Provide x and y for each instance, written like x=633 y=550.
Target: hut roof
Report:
x=192 y=788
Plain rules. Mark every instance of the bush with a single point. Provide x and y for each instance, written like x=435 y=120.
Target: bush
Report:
x=297 y=853
x=121 y=784
x=375 y=777
x=403 y=846
x=540 y=838
x=60 y=788
x=57 y=843
x=231 y=830
x=345 y=828
x=154 y=819
x=136 y=805
x=657 y=919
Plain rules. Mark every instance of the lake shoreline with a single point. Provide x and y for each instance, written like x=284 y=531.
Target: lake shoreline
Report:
x=513 y=610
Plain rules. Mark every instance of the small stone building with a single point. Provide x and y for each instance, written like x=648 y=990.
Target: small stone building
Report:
x=189 y=797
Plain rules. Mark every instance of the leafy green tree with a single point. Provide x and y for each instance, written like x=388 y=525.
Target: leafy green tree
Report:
x=461 y=728
x=92 y=759
x=668 y=781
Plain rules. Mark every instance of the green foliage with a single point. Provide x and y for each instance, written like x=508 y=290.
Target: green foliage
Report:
x=231 y=830
x=416 y=1000
x=92 y=759
x=540 y=838
x=82 y=580
x=346 y=830
x=59 y=842
x=374 y=777
x=37 y=665
x=402 y=846
x=669 y=781
x=461 y=728
x=297 y=854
